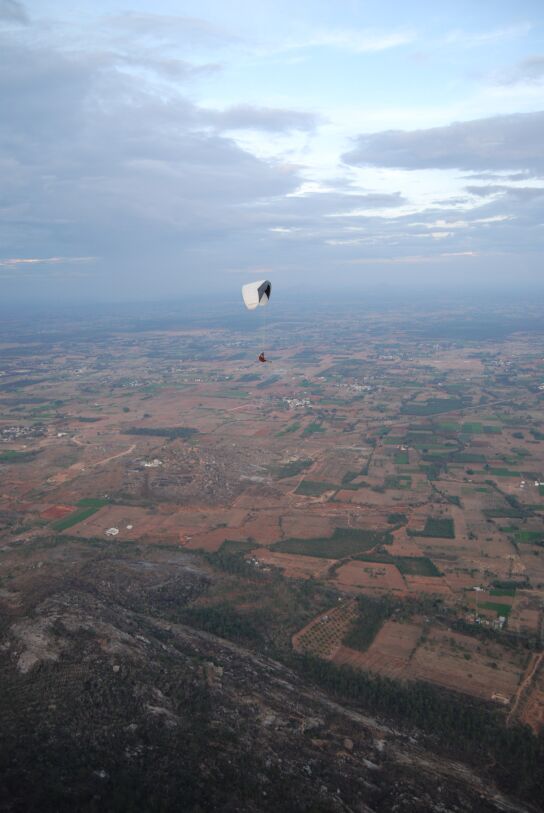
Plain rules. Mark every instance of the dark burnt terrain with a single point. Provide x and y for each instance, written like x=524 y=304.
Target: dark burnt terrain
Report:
x=108 y=702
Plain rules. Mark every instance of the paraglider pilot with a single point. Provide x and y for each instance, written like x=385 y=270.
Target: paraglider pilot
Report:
x=257 y=294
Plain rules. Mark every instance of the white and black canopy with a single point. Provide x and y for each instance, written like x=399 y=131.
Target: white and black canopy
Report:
x=256 y=293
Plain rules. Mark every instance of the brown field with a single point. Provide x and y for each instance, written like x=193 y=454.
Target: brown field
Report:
x=57 y=511
x=389 y=653
x=370 y=578
x=446 y=658
x=304 y=525
x=526 y=615
x=168 y=523
x=432 y=585
x=458 y=582
x=404 y=546
x=293 y=566
x=461 y=663
x=265 y=528
x=209 y=540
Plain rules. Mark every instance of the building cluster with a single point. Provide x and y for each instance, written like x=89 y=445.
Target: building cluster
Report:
x=152 y=464
x=294 y=403
x=495 y=623
x=17 y=432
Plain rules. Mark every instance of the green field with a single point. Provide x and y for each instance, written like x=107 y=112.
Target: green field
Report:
x=507 y=511
x=368 y=623
x=234 y=546
x=398 y=481
x=478 y=428
x=91 y=502
x=437 y=527
x=503 y=591
x=293 y=427
x=13 y=456
x=312 y=428
x=344 y=542
x=183 y=432
x=500 y=609
x=314 y=488
x=292 y=468
x=502 y=473
x=530 y=536
x=434 y=406
x=73 y=519
x=397 y=518
x=402 y=458
x=468 y=457
x=407 y=565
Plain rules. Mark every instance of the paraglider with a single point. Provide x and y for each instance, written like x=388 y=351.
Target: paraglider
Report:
x=257 y=294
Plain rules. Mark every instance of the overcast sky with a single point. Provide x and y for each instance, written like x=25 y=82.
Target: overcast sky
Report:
x=160 y=148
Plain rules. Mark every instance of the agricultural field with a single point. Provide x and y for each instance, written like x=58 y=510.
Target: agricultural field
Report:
x=377 y=458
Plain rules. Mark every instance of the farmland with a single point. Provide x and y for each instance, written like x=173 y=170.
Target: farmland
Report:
x=376 y=464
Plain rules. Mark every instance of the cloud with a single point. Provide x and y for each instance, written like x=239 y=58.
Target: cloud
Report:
x=43 y=269
x=358 y=41
x=12 y=11
x=415 y=259
x=170 y=28
x=114 y=175
x=12 y=262
x=499 y=143
x=322 y=214
x=530 y=70
x=249 y=117
x=522 y=193
x=475 y=39
x=167 y=67
x=96 y=161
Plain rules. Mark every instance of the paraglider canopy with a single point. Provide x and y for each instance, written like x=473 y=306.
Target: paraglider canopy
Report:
x=256 y=293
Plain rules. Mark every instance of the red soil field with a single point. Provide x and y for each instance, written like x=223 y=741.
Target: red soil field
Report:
x=428 y=584
x=57 y=511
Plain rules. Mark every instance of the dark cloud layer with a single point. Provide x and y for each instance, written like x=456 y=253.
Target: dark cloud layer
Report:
x=97 y=161
x=498 y=143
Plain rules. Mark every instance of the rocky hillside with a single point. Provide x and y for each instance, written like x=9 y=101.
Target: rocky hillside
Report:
x=106 y=704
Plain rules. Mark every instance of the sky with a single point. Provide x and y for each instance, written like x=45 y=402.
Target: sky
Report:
x=163 y=149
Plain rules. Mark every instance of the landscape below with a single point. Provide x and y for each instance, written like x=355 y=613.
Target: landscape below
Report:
x=322 y=583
